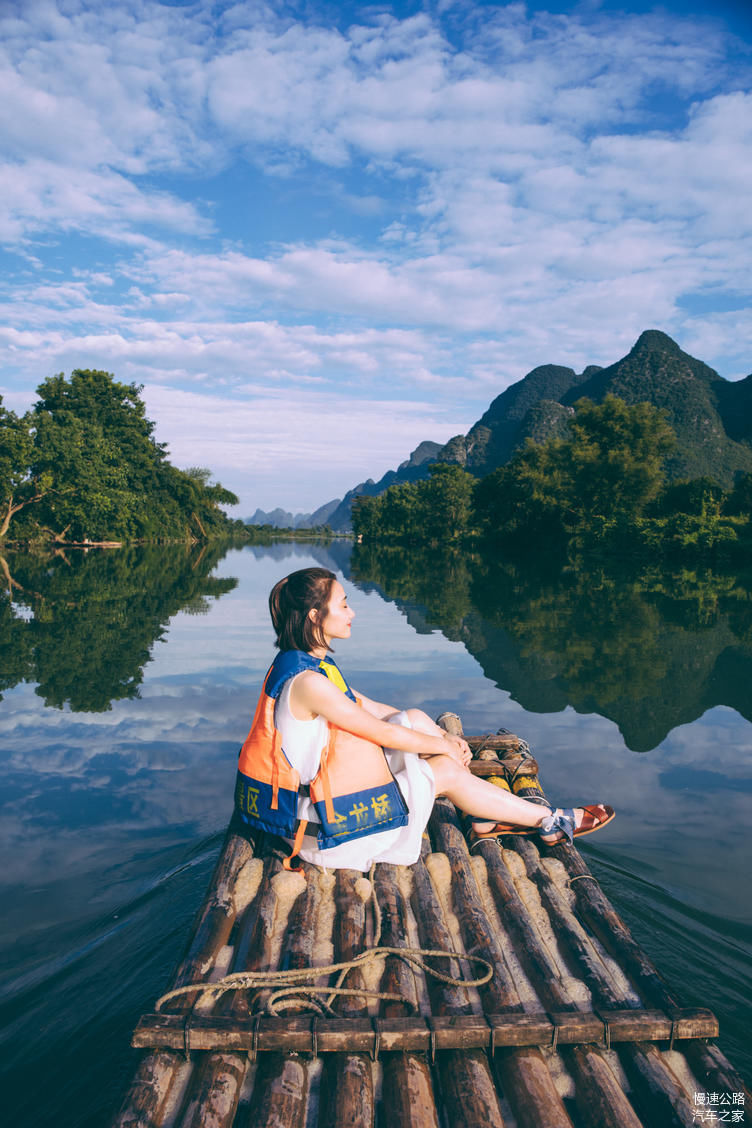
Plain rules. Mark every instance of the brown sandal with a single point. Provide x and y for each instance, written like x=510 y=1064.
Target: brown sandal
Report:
x=595 y=815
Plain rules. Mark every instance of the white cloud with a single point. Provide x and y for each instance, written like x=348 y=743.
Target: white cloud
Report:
x=472 y=191
x=294 y=450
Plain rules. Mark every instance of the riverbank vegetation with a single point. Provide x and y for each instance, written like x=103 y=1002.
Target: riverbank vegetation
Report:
x=602 y=488
x=649 y=643
x=82 y=466
x=266 y=534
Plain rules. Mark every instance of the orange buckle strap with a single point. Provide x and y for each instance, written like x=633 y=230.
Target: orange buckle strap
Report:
x=328 y=804
x=297 y=843
x=275 y=769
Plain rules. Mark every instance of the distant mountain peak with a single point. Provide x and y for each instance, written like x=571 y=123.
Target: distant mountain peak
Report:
x=424 y=452
x=654 y=340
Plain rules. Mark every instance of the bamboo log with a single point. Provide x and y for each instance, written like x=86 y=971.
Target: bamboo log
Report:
x=407 y=1091
x=347 y=1087
x=146 y=1100
x=280 y=1090
x=522 y=1073
x=211 y=1099
x=467 y=1085
x=601 y=1100
x=708 y=1063
x=657 y=1092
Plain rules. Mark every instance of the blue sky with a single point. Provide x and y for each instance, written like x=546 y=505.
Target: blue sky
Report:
x=318 y=234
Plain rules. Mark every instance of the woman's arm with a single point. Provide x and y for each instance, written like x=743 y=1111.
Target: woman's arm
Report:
x=420 y=721
x=316 y=696
x=376 y=708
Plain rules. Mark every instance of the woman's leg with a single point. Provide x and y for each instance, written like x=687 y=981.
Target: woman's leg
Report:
x=484 y=800
x=480 y=798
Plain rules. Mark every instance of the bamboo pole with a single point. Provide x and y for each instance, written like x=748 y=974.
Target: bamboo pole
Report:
x=601 y=1100
x=522 y=1073
x=407 y=1089
x=213 y=1092
x=347 y=1088
x=280 y=1090
x=468 y=1092
x=708 y=1063
x=146 y=1100
x=660 y=1098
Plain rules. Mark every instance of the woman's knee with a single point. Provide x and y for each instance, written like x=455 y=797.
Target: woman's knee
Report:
x=418 y=719
x=446 y=773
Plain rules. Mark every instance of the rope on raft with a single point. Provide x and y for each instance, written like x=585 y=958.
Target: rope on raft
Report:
x=294 y=986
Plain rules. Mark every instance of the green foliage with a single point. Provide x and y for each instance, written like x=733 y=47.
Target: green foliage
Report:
x=435 y=511
x=600 y=489
x=83 y=625
x=613 y=465
x=86 y=455
x=739 y=501
x=17 y=488
x=650 y=644
x=521 y=502
x=707 y=532
x=696 y=496
x=590 y=488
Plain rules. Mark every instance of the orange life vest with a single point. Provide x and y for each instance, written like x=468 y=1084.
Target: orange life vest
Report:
x=354 y=791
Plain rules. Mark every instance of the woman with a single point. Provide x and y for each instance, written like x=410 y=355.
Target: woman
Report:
x=348 y=780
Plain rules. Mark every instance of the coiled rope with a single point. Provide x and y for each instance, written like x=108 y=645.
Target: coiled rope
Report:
x=295 y=987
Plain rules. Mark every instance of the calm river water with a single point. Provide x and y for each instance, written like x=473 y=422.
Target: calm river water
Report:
x=128 y=682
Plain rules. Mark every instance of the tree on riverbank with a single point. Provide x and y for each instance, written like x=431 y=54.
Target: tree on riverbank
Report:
x=601 y=487
x=83 y=465
x=439 y=510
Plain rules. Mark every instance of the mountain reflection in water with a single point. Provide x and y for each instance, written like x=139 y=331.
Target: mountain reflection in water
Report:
x=129 y=680
x=650 y=649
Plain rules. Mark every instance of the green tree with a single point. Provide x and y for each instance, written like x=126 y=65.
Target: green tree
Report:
x=739 y=501
x=92 y=438
x=613 y=464
x=366 y=517
x=86 y=454
x=17 y=487
x=700 y=497
x=599 y=479
x=445 y=503
x=399 y=511
x=206 y=499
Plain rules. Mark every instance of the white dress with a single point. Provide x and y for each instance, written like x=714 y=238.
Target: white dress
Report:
x=303 y=742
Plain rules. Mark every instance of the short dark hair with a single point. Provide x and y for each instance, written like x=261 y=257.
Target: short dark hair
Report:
x=291 y=599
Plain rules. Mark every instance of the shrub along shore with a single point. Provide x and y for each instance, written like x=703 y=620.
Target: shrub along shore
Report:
x=82 y=467
x=604 y=488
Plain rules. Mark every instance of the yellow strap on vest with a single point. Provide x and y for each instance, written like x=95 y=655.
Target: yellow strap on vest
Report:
x=297 y=843
x=332 y=672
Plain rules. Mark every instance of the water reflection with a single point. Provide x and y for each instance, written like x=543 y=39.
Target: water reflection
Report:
x=650 y=649
x=82 y=625
x=111 y=818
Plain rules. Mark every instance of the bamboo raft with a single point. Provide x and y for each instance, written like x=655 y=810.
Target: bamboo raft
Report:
x=574 y=1027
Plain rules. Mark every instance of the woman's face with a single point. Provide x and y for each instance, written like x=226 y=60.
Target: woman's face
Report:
x=338 y=616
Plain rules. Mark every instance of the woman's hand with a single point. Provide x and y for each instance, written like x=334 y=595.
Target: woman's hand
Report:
x=458 y=749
